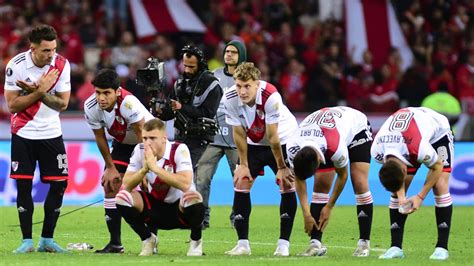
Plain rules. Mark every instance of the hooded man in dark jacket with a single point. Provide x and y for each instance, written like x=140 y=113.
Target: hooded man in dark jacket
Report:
x=223 y=144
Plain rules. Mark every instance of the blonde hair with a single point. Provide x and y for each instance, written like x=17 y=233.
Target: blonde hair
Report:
x=247 y=71
x=154 y=124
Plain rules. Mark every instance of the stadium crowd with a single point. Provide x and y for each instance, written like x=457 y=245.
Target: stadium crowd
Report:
x=295 y=46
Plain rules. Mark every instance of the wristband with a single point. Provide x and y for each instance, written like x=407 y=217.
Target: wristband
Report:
x=419 y=196
x=279 y=168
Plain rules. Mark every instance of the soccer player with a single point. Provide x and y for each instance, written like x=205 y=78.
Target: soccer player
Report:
x=262 y=125
x=325 y=143
x=173 y=201
x=411 y=137
x=37 y=89
x=113 y=108
x=223 y=144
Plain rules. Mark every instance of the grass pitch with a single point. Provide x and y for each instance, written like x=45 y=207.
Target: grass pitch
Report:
x=87 y=225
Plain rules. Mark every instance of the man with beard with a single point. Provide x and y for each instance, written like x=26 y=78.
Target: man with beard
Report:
x=193 y=102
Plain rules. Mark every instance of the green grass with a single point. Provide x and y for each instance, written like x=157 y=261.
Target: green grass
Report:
x=88 y=225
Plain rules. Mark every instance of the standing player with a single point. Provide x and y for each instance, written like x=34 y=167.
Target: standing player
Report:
x=123 y=115
x=173 y=201
x=411 y=137
x=327 y=140
x=37 y=89
x=262 y=125
x=234 y=54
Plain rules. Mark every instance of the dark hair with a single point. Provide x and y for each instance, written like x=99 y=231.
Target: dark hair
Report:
x=42 y=33
x=153 y=124
x=106 y=78
x=190 y=50
x=391 y=175
x=305 y=163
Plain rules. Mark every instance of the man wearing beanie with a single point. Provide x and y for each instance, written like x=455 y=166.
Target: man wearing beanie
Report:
x=234 y=54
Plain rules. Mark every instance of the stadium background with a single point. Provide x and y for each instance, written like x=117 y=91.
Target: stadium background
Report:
x=305 y=47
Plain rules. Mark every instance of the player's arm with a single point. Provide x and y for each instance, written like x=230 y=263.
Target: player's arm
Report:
x=111 y=173
x=58 y=102
x=240 y=140
x=301 y=190
x=17 y=102
x=432 y=177
x=132 y=179
x=137 y=128
x=283 y=174
x=338 y=187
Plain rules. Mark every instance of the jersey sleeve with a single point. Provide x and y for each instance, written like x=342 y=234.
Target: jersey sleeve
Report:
x=376 y=152
x=136 y=160
x=91 y=117
x=340 y=158
x=64 y=82
x=11 y=76
x=427 y=154
x=272 y=108
x=130 y=109
x=231 y=115
x=182 y=158
x=292 y=148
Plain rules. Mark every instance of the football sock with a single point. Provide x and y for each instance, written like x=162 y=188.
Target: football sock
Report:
x=25 y=206
x=315 y=212
x=444 y=212
x=397 y=225
x=135 y=220
x=113 y=221
x=242 y=208
x=52 y=207
x=288 y=208
x=365 y=208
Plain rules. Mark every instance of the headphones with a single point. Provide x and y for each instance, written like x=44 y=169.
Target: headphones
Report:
x=194 y=50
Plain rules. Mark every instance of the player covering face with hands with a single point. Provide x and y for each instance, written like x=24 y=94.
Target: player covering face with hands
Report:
x=172 y=201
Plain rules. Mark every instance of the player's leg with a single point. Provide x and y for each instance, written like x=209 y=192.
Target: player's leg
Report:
x=121 y=156
x=135 y=207
x=22 y=170
x=232 y=159
x=54 y=170
x=359 y=177
x=206 y=169
x=191 y=211
x=288 y=207
x=242 y=206
x=321 y=188
x=443 y=201
x=397 y=222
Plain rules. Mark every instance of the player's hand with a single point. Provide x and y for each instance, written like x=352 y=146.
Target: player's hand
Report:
x=175 y=105
x=191 y=197
x=285 y=177
x=309 y=224
x=150 y=159
x=28 y=87
x=47 y=80
x=111 y=179
x=416 y=203
x=324 y=218
x=241 y=172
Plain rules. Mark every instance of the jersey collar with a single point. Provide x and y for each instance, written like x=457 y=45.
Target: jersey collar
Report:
x=167 y=154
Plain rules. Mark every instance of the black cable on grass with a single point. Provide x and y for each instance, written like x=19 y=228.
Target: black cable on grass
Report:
x=64 y=214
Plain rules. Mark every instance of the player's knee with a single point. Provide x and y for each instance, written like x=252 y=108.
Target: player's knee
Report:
x=124 y=198
x=194 y=214
x=243 y=184
x=58 y=187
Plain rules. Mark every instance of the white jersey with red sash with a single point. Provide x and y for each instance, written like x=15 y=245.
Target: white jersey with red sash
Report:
x=408 y=134
x=127 y=110
x=330 y=131
x=38 y=121
x=175 y=159
x=268 y=109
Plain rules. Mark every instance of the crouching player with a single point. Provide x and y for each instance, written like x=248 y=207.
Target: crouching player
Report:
x=172 y=201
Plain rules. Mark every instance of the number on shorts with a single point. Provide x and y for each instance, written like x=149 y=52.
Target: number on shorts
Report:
x=62 y=161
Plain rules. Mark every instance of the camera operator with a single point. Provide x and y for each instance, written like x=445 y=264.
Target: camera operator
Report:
x=193 y=102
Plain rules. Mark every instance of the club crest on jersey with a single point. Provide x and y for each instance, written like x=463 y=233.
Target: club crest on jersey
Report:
x=427 y=158
x=260 y=114
x=128 y=105
x=14 y=166
x=120 y=120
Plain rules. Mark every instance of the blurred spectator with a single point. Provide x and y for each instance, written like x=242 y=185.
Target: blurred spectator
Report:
x=444 y=103
x=126 y=52
x=383 y=95
x=293 y=85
